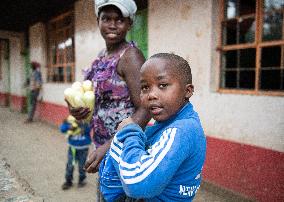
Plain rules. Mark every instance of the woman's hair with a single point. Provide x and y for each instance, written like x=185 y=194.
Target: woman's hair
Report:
x=179 y=63
x=105 y=7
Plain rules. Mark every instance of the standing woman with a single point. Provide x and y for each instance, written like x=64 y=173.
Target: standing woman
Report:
x=116 y=77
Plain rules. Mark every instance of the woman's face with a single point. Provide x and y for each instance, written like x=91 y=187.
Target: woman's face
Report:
x=113 y=26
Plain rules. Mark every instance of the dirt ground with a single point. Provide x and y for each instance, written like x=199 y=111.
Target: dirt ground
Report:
x=32 y=165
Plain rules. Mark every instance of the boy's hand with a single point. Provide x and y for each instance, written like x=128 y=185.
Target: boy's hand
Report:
x=125 y=122
x=94 y=159
x=79 y=113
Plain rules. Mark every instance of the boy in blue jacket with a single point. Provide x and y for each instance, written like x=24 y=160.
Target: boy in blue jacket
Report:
x=79 y=140
x=164 y=162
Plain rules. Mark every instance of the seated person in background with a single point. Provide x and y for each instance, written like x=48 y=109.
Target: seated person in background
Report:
x=79 y=140
x=164 y=162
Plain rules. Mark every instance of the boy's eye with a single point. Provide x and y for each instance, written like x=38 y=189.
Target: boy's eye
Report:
x=144 y=88
x=163 y=85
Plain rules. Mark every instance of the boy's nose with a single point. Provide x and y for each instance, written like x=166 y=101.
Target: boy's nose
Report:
x=152 y=95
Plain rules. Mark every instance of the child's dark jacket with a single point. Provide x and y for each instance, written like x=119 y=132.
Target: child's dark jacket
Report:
x=162 y=164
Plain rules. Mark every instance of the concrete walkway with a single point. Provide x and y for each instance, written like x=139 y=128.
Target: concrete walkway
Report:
x=32 y=165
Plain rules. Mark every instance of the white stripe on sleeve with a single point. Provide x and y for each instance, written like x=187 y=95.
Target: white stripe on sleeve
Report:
x=142 y=170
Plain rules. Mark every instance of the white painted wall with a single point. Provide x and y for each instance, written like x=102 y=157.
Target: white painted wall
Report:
x=16 y=44
x=88 y=43
x=38 y=53
x=16 y=68
x=4 y=65
x=38 y=46
x=88 y=40
x=190 y=28
x=51 y=92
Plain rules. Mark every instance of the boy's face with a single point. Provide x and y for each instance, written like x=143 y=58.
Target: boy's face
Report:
x=163 y=91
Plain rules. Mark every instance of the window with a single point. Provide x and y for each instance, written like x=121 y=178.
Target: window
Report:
x=61 y=49
x=252 y=46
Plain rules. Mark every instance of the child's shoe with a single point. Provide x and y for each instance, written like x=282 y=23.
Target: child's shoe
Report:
x=66 y=185
x=81 y=183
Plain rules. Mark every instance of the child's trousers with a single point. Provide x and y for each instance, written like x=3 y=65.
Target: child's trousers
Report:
x=76 y=156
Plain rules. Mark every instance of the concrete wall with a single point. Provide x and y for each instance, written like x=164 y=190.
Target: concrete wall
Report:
x=16 y=44
x=191 y=30
x=245 y=133
x=51 y=92
x=88 y=41
x=16 y=68
x=4 y=65
x=38 y=46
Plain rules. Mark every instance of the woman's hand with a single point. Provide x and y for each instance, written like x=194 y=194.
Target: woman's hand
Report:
x=94 y=159
x=78 y=112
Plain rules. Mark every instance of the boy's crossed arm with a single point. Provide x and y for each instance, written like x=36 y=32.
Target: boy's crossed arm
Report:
x=146 y=173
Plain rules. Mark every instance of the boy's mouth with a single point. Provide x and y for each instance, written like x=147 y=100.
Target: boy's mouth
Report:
x=155 y=110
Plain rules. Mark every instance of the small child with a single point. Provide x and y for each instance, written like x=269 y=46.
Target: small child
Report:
x=164 y=162
x=79 y=140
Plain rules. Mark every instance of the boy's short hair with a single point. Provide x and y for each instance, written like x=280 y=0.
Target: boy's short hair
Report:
x=181 y=65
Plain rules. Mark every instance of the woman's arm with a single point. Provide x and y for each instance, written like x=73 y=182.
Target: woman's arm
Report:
x=129 y=69
x=93 y=162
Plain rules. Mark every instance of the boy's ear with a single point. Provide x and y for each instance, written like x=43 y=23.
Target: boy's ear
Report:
x=189 y=90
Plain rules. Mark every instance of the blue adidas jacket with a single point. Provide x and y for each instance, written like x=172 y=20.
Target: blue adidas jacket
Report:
x=162 y=164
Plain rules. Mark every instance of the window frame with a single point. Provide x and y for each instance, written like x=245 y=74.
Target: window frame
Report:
x=49 y=50
x=258 y=44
